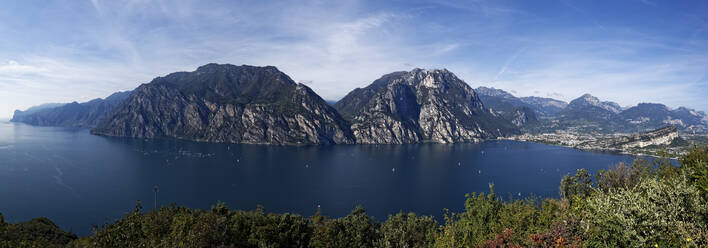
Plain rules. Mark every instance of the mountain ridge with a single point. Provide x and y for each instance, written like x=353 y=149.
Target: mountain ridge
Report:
x=418 y=106
x=421 y=105
x=74 y=114
x=228 y=103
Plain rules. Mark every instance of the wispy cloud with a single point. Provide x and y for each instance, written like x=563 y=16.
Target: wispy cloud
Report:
x=85 y=49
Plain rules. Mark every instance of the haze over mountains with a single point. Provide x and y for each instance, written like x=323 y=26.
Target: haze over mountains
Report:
x=87 y=114
x=250 y=104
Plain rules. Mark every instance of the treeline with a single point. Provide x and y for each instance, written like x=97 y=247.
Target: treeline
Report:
x=642 y=204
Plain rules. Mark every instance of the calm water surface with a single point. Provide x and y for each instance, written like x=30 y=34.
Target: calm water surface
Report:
x=77 y=179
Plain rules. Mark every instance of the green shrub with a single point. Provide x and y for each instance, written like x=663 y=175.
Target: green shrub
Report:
x=407 y=230
x=696 y=165
x=38 y=232
x=355 y=230
x=653 y=213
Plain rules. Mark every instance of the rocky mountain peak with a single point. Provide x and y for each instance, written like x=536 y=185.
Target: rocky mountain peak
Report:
x=590 y=100
x=419 y=105
x=228 y=103
x=431 y=78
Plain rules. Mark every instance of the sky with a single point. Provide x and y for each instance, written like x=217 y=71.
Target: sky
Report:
x=626 y=51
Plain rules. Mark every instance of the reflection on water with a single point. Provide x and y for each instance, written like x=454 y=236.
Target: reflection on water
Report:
x=78 y=179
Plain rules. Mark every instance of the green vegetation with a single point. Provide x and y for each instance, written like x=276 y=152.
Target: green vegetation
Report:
x=643 y=204
x=39 y=232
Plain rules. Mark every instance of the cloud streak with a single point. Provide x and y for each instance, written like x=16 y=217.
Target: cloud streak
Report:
x=83 y=50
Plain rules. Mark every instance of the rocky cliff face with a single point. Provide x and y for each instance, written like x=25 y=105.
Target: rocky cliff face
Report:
x=87 y=114
x=420 y=106
x=661 y=136
x=227 y=103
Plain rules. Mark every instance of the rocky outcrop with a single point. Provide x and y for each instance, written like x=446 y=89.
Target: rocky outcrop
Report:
x=420 y=106
x=227 y=103
x=661 y=136
x=87 y=114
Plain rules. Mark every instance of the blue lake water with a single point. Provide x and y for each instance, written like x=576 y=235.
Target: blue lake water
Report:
x=78 y=179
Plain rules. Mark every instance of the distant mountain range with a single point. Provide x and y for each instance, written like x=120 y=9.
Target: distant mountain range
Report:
x=250 y=104
x=589 y=114
x=502 y=101
x=87 y=114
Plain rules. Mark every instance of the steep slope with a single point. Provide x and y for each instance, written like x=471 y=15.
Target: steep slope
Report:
x=74 y=114
x=228 y=103
x=420 y=106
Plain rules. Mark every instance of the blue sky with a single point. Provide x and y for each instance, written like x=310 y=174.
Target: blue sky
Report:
x=625 y=51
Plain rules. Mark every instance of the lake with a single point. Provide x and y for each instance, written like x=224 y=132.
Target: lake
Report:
x=77 y=179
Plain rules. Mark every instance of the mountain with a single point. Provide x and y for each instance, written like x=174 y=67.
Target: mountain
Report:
x=544 y=106
x=491 y=91
x=690 y=120
x=588 y=114
x=651 y=115
x=588 y=100
x=522 y=116
x=87 y=114
x=504 y=102
x=35 y=109
x=499 y=100
x=646 y=115
x=228 y=103
x=420 y=106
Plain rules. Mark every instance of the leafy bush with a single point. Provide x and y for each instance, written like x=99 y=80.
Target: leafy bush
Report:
x=654 y=213
x=407 y=230
x=355 y=230
x=565 y=233
x=38 y=232
x=696 y=165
